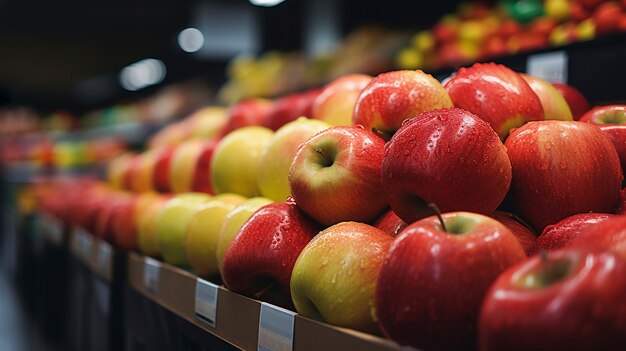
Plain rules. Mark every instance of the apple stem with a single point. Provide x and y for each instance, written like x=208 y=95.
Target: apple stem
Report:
x=263 y=291
x=438 y=213
x=381 y=134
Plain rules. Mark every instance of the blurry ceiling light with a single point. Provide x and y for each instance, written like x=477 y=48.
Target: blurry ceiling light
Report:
x=191 y=39
x=142 y=74
x=266 y=3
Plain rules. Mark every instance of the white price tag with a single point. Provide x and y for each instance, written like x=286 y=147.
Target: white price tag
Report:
x=275 y=328
x=151 y=275
x=551 y=66
x=104 y=257
x=206 y=302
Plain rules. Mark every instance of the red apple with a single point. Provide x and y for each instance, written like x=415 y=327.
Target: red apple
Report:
x=608 y=235
x=496 y=94
x=335 y=176
x=560 y=234
x=433 y=280
x=335 y=103
x=607 y=17
x=576 y=101
x=562 y=168
x=250 y=112
x=122 y=224
x=289 y=108
x=201 y=180
x=259 y=260
x=621 y=207
x=392 y=97
x=161 y=173
x=524 y=234
x=611 y=119
x=390 y=223
x=553 y=103
x=569 y=300
x=448 y=157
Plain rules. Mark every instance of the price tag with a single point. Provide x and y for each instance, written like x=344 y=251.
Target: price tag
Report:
x=206 y=302
x=104 y=257
x=551 y=66
x=151 y=275
x=275 y=328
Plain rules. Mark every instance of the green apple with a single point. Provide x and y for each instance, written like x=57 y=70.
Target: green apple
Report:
x=233 y=222
x=203 y=231
x=554 y=104
x=171 y=225
x=334 y=278
x=235 y=161
x=272 y=177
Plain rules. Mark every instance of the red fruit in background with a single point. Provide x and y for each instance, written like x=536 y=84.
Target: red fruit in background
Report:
x=123 y=228
x=560 y=234
x=562 y=168
x=250 y=112
x=610 y=235
x=451 y=55
x=542 y=26
x=590 y=4
x=444 y=32
x=104 y=225
x=496 y=94
x=569 y=300
x=524 y=234
x=578 y=12
x=607 y=17
x=448 y=157
x=525 y=42
x=509 y=27
x=494 y=46
x=161 y=174
x=130 y=172
x=390 y=223
x=201 y=181
x=432 y=282
x=264 y=251
x=576 y=101
x=289 y=108
x=611 y=119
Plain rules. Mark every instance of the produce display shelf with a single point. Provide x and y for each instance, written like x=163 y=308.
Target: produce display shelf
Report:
x=237 y=318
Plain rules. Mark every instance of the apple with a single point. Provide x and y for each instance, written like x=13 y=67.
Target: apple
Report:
x=183 y=165
x=290 y=107
x=161 y=173
x=116 y=169
x=208 y=122
x=203 y=231
x=250 y=112
x=201 y=179
x=524 y=234
x=392 y=97
x=565 y=300
x=336 y=102
x=144 y=169
x=103 y=226
x=607 y=16
x=576 y=101
x=621 y=207
x=553 y=103
x=335 y=176
x=434 y=278
x=562 y=168
x=122 y=223
x=171 y=225
x=611 y=119
x=390 y=223
x=146 y=222
x=260 y=258
x=496 y=94
x=171 y=135
x=610 y=234
x=273 y=175
x=233 y=222
x=449 y=157
x=560 y=234
x=235 y=162
x=334 y=278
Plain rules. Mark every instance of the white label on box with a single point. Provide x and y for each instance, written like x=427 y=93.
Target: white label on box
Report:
x=275 y=328
x=206 y=302
x=104 y=257
x=151 y=270
x=551 y=66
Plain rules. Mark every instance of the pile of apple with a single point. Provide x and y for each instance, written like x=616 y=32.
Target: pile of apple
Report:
x=478 y=32
x=404 y=207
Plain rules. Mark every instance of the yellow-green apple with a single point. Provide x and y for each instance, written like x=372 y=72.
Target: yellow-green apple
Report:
x=250 y=112
x=392 y=97
x=576 y=101
x=335 y=176
x=563 y=300
x=449 y=157
x=161 y=173
x=290 y=107
x=260 y=258
x=235 y=162
x=560 y=234
x=496 y=94
x=184 y=165
x=609 y=235
x=171 y=225
x=147 y=224
x=425 y=297
x=208 y=122
x=203 y=231
x=524 y=233
x=336 y=102
x=390 y=223
x=273 y=175
x=233 y=222
x=611 y=119
x=116 y=169
x=562 y=168
x=553 y=103
x=144 y=172
x=334 y=278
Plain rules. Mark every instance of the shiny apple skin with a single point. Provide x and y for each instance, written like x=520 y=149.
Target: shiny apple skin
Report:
x=584 y=311
x=559 y=235
x=390 y=223
x=449 y=157
x=426 y=296
x=336 y=102
x=288 y=108
x=524 y=234
x=576 y=101
x=348 y=190
x=605 y=236
x=161 y=174
x=611 y=119
x=553 y=103
x=392 y=97
x=496 y=94
x=201 y=179
x=265 y=250
x=250 y=112
x=562 y=168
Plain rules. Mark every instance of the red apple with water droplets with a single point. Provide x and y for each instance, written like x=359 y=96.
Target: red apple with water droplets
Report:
x=576 y=101
x=605 y=236
x=524 y=234
x=250 y=112
x=611 y=119
x=390 y=223
x=335 y=103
